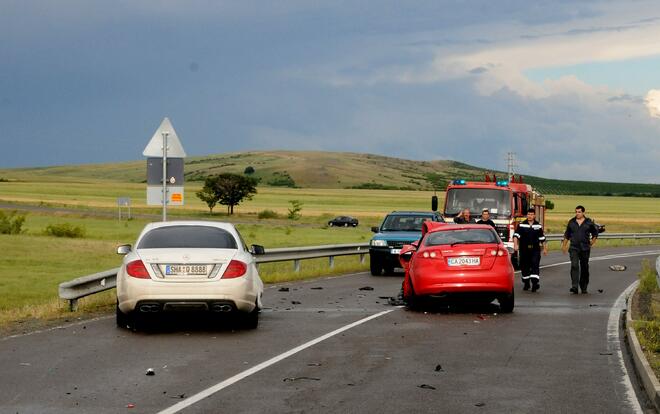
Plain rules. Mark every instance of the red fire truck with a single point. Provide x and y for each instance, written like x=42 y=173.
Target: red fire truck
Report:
x=507 y=201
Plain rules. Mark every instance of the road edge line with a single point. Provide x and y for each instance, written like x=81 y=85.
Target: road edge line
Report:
x=641 y=364
x=236 y=378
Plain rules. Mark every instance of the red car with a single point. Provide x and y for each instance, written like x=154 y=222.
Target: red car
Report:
x=455 y=261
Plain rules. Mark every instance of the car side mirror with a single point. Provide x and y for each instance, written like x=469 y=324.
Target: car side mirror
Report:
x=257 y=250
x=124 y=249
x=375 y=229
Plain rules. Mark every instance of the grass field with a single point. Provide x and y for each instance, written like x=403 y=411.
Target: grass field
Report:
x=35 y=264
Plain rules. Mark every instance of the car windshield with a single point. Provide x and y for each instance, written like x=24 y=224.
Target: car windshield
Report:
x=477 y=199
x=195 y=237
x=404 y=223
x=461 y=236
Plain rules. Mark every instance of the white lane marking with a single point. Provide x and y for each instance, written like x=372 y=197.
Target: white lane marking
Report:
x=229 y=381
x=608 y=257
x=614 y=345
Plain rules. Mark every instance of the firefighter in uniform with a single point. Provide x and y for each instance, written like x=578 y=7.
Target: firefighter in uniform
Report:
x=528 y=240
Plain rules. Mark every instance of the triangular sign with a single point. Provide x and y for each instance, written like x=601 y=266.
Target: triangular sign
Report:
x=155 y=147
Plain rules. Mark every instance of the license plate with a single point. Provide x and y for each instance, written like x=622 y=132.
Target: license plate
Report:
x=185 y=270
x=463 y=261
x=395 y=251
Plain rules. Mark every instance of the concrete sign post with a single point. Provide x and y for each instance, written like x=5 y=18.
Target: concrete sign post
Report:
x=167 y=187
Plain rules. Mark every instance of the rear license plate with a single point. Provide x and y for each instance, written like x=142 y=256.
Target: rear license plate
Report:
x=185 y=270
x=395 y=251
x=463 y=261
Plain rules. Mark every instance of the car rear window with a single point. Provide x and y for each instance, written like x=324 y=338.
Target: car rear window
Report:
x=200 y=237
x=404 y=223
x=461 y=236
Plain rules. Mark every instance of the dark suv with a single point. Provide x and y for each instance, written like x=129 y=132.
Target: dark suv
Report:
x=398 y=228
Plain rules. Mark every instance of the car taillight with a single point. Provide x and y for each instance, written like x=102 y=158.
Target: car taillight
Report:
x=137 y=269
x=432 y=255
x=499 y=252
x=234 y=269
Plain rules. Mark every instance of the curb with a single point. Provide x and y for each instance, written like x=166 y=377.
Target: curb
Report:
x=642 y=366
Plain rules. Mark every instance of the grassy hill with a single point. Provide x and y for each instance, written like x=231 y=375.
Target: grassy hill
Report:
x=310 y=169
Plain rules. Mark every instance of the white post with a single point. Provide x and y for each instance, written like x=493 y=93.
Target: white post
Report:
x=165 y=176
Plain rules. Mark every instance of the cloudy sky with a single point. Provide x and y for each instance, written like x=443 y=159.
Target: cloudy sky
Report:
x=572 y=87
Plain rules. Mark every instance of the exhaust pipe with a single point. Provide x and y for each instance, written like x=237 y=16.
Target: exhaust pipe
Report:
x=150 y=308
x=218 y=307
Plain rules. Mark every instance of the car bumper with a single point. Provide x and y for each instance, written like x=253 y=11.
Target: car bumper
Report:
x=476 y=282
x=385 y=256
x=175 y=296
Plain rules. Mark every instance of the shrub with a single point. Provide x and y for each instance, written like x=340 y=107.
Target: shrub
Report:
x=294 y=211
x=267 y=214
x=11 y=223
x=65 y=230
x=549 y=205
x=647 y=280
x=249 y=170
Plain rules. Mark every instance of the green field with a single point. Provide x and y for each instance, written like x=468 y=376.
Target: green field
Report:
x=35 y=263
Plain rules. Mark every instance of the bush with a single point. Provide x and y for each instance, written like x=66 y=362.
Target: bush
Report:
x=549 y=205
x=647 y=280
x=267 y=214
x=65 y=230
x=248 y=170
x=11 y=223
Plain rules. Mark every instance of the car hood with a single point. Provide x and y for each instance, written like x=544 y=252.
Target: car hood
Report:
x=398 y=235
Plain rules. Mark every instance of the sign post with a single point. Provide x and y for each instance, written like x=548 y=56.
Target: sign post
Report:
x=161 y=179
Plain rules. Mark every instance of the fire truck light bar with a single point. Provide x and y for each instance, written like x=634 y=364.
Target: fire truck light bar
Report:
x=458 y=182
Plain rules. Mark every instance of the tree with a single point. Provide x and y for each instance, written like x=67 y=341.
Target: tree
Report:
x=227 y=189
x=294 y=211
x=207 y=195
x=249 y=170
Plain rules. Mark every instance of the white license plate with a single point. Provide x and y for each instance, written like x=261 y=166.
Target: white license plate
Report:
x=185 y=270
x=395 y=251
x=463 y=261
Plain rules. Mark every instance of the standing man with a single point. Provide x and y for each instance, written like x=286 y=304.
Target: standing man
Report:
x=485 y=218
x=464 y=217
x=528 y=241
x=582 y=234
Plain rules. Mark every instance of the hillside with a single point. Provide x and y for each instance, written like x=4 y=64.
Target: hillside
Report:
x=310 y=169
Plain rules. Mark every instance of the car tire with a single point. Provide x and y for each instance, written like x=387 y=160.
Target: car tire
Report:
x=345 y=224
x=507 y=302
x=375 y=267
x=412 y=300
x=124 y=320
x=355 y=224
x=331 y=224
x=249 y=320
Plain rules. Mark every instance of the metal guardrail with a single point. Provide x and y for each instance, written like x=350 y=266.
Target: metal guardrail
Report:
x=99 y=282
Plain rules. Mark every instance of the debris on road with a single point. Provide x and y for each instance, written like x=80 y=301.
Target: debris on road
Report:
x=130 y=405
x=480 y=404
x=604 y=353
x=295 y=302
x=482 y=317
x=438 y=368
x=178 y=397
x=314 y=364
x=600 y=290
x=290 y=379
x=426 y=387
x=316 y=288
x=366 y=288
x=283 y=289
x=618 y=268
x=591 y=305
x=150 y=372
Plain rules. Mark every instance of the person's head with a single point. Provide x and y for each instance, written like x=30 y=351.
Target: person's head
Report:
x=466 y=213
x=531 y=214
x=579 y=212
x=485 y=214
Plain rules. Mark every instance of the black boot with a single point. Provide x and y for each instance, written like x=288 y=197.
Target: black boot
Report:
x=535 y=286
x=525 y=284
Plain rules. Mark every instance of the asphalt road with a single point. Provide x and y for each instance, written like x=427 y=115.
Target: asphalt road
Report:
x=316 y=351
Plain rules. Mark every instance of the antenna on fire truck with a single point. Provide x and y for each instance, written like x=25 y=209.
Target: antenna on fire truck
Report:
x=511 y=164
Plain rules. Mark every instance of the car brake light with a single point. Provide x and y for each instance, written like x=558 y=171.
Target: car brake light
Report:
x=432 y=255
x=234 y=269
x=502 y=252
x=137 y=269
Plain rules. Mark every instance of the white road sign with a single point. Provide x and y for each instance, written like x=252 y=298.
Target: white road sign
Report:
x=155 y=147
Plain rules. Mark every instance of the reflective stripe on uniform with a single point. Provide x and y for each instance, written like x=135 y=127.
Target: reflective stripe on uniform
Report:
x=534 y=276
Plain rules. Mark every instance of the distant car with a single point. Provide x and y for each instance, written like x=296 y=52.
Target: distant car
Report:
x=458 y=261
x=343 y=221
x=189 y=265
x=398 y=228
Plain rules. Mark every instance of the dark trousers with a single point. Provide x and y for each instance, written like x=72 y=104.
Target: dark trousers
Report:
x=529 y=265
x=579 y=268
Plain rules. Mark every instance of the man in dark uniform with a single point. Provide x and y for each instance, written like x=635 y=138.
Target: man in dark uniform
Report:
x=485 y=218
x=582 y=233
x=528 y=241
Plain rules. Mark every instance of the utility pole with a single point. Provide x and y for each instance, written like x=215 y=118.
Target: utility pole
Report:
x=511 y=164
